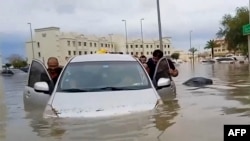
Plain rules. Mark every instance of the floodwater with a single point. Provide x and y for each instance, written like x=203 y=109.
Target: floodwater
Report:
x=194 y=115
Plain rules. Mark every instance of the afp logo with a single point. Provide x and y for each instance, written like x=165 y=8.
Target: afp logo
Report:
x=236 y=132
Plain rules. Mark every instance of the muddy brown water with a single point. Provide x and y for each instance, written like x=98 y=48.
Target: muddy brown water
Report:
x=194 y=115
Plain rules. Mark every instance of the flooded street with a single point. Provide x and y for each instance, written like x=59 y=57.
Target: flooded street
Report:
x=194 y=115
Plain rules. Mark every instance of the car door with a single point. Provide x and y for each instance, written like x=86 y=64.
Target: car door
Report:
x=162 y=71
x=37 y=73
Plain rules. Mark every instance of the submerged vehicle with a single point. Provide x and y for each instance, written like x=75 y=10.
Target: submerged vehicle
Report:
x=7 y=72
x=98 y=85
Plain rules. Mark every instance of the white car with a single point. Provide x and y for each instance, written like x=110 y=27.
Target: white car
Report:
x=227 y=60
x=97 y=85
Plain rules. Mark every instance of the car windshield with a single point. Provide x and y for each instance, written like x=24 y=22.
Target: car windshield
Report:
x=103 y=76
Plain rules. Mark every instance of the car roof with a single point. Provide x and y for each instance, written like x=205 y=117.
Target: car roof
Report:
x=102 y=57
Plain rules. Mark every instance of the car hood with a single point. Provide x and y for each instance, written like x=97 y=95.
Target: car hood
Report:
x=108 y=103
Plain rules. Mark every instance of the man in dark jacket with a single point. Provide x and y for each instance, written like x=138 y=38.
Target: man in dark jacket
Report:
x=157 y=55
x=54 y=69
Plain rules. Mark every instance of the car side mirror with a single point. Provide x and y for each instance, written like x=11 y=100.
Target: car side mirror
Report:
x=163 y=82
x=41 y=87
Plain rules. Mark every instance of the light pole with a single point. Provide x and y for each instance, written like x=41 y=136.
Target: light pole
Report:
x=159 y=24
x=31 y=36
x=142 y=36
x=248 y=37
x=126 y=35
x=190 y=38
x=110 y=35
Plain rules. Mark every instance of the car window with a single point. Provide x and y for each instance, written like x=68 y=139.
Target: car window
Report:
x=37 y=73
x=162 y=70
x=94 y=75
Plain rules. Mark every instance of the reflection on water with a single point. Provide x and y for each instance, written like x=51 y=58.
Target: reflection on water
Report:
x=2 y=112
x=193 y=114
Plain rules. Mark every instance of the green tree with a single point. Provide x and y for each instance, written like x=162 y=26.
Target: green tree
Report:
x=192 y=50
x=231 y=29
x=175 y=55
x=17 y=61
x=210 y=45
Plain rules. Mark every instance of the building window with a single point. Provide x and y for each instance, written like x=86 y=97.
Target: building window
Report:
x=85 y=52
x=151 y=46
x=101 y=44
x=74 y=43
x=168 y=52
x=136 y=46
x=80 y=52
x=141 y=46
x=168 y=46
x=106 y=45
x=157 y=46
x=132 y=53
x=147 y=53
x=69 y=52
x=74 y=52
x=68 y=43
x=165 y=46
x=136 y=53
x=131 y=46
x=126 y=46
x=38 y=44
x=95 y=44
x=79 y=43
x=146 y=46
x=165 y=52
x=85 y=44
x=151 y=53
x=90 y=44
x=141 y=53
x=91 y=52
x=39 y=54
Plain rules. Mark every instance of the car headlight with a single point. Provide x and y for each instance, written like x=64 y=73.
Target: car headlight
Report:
x=50 y=112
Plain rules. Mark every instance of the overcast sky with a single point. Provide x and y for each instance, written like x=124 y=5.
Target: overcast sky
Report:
x=102 y=17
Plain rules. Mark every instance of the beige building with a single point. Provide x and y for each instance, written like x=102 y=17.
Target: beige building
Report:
x=221 y=48
x=51 y=41
x=186 y=56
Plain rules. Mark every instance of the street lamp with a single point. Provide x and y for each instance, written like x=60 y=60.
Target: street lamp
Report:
x=159 y=24
x=31 y=36
x=126 y=34
x=111 y=40
x=190 y=38
x=142 y=35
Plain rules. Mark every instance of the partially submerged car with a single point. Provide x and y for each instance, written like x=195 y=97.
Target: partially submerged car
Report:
x=98 y=85
x=227 y=60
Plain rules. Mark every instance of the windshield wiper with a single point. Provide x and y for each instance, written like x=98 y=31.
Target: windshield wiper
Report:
x=112 y=88
x=74 y=90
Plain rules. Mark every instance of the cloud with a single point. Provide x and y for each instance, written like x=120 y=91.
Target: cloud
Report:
x=104 y=16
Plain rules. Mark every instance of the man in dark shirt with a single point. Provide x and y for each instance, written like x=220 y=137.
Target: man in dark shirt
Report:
x=54 y=69
x=157 y=55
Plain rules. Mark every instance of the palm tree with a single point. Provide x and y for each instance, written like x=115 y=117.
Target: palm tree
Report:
x=193 y=50
x=210 y=45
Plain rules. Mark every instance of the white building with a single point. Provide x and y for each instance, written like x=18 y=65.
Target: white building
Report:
x=50 y=41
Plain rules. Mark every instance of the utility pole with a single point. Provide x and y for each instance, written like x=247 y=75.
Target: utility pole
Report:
x=31 y=36
x=159 y=24
x=248 y=37
x=126 y=35
x=142 y=36
x=190 y=38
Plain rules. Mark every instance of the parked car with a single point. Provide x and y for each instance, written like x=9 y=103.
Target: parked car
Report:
x=227 y=60
x=97 y=85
